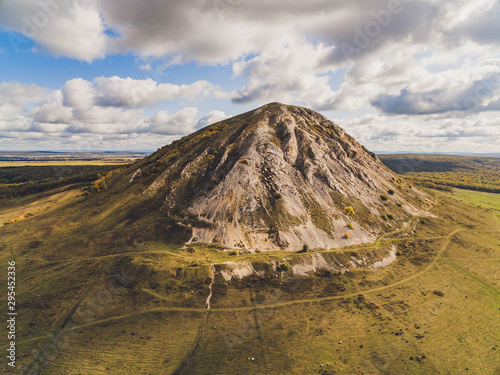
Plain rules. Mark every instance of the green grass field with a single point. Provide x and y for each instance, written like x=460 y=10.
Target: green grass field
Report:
x=484 y=200
x=102 y=302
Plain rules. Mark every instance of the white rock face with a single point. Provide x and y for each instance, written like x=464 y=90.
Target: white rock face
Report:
x=386 y=261
x=307 y=264
x=239 y=270
x=311 y=264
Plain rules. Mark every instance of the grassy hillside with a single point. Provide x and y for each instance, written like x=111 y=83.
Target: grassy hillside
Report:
x=26 y=180
x=446 y=171
x=116 y=302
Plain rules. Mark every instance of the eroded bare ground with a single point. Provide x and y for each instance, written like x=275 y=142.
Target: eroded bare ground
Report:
x=355 y=310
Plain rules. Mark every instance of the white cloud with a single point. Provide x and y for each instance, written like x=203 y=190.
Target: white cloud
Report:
x=182 y=122
x=131 y=93
x=106 y=106
x=15 y=98
x=211 y=118
x=78 y=94
x=475 y=88
x=291 y=74
x=52 y=111
x=208 y=31
x=479 y=134
x=65 y=28
x=220 y=31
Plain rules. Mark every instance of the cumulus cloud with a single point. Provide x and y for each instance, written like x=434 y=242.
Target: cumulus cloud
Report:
x=380 y=133
x=182 y=122
x=14 y=101
x=211 y=118
x=106 y=106
x=463 y=93
x=65 y=28
x=52 y=111
x=131 y=93
x=286 y=50
x=290 y=74
x=218 y=31
x=78 y=94
x=208 y=31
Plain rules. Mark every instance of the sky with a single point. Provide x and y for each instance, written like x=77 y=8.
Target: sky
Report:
x=104 y=75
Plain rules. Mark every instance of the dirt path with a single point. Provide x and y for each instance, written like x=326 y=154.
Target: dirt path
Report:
x=212 y=276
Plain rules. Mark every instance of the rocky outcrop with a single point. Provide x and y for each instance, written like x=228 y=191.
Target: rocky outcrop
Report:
x=308 y=264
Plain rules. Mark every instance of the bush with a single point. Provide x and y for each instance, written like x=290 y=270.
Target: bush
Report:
x=350 y=226
x=234 y=252
x=305 y=249
x=347 y=235
x=438 y=293
x=348 y=211
x=390 y=216
x=284 y=267
x=384 y=197
x=17 y=219
x=399 y=204
x=390 y=191
x=384 y=217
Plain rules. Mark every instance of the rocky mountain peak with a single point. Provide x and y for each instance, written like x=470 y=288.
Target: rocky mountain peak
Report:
x=275 y=178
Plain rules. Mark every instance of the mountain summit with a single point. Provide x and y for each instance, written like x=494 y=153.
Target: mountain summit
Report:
x=274 y=178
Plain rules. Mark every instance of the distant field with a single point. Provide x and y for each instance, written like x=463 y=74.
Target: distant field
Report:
x=446 y=171
x=485 y=200
x=33 y=159
x=50 y=156
x=25 y=173
x=29 y=163
x=16 y=181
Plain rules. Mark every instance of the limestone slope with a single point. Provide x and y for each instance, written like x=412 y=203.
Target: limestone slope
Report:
x=274 y=178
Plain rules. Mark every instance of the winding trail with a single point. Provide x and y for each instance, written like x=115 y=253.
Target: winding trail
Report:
x=212 y=276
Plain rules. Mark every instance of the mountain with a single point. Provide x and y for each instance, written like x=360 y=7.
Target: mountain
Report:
x=274 y=178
